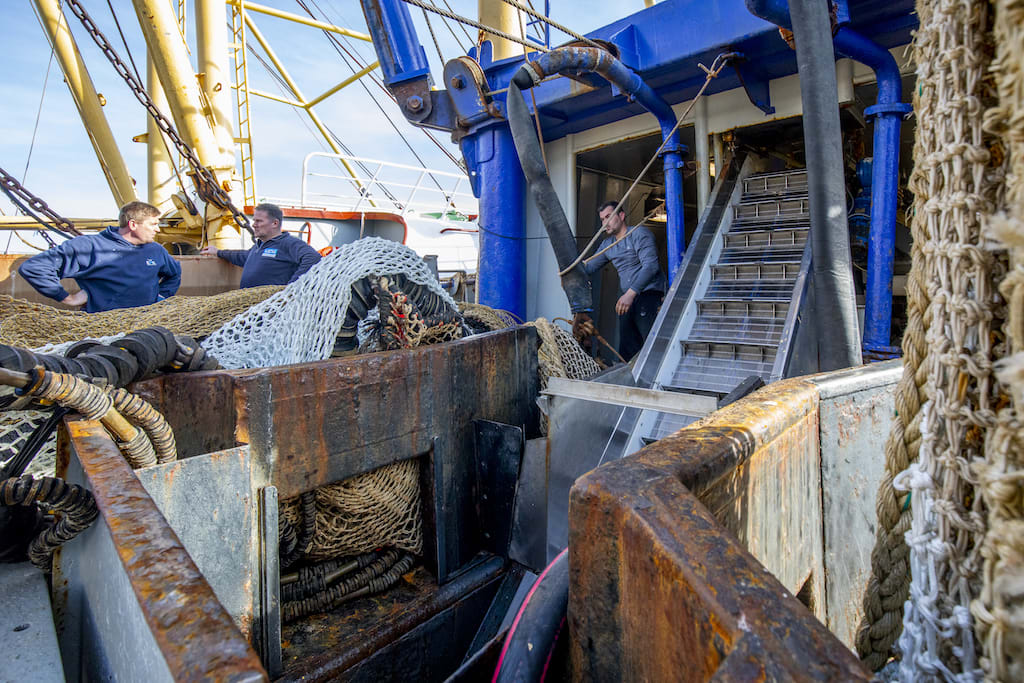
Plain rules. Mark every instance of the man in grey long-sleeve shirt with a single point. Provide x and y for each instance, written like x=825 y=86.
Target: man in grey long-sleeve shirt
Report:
x=641 y=283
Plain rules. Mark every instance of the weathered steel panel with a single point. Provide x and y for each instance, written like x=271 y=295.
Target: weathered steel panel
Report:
x=661 y=590
x=27 y=636
x=317 y=423
x=209 y=501
x=134 y=604
x=856 y=412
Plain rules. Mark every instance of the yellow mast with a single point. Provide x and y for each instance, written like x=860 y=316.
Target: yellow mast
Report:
x=83 y=92
x=503 y=17
x=212 y=52
x=161 y=182
x=185 y=101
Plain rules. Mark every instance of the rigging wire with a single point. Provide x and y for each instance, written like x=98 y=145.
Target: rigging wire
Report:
x=476 y=24
x=338 y=48
x=181 y=183
x=39 y=114
x=468 y=37
x=541 y=17
x=353 y=54
x=426 y=18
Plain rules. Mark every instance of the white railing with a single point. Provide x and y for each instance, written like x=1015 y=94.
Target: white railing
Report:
x=412 y=191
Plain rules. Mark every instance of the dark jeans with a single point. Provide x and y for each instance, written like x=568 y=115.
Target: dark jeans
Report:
x=636 y=324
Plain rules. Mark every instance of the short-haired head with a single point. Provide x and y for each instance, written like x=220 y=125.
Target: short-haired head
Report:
x=273 y=211
x=611 y=205
x=136 y=211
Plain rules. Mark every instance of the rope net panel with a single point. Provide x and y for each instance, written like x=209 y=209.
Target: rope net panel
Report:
x=36 y=325
x=300 y=323
x=999 y=609
x=928 y=544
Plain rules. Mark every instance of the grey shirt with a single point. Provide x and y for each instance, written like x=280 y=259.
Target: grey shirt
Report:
x=635 y=259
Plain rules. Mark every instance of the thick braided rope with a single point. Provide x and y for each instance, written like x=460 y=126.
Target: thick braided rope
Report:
x=300 y=323
x=955 y=184
x=999 y=611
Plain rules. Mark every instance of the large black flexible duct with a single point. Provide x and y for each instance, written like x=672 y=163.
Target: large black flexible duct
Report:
x=576 y=282
x=535 y=631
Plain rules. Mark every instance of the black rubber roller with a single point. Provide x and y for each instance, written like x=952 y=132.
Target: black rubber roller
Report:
x=80 y=347
x=125 y=364
x=143 y=353
x=158 y=344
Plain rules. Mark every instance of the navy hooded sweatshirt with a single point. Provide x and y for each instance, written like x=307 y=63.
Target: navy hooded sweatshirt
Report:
x=280 y=260
x=114 y=272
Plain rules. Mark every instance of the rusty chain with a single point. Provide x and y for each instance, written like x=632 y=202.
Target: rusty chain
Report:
x=206 y=182
x=35 y=203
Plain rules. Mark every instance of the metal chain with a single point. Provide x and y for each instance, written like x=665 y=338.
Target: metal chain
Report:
x=12 y=185
x=469 y=22
x=206 y=182
x=529 y=10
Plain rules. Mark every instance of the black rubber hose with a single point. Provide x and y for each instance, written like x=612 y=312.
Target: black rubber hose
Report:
x=287 y=542
x=834 y=296
x=307 y=502
x=534 y=632
x=75 y=503
x=576 y=282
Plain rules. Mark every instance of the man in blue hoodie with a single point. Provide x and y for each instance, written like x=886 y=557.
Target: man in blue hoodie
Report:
x=277 y=258
x=118 y=268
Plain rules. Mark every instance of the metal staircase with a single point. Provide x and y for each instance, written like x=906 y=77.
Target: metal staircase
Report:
x=733 y=311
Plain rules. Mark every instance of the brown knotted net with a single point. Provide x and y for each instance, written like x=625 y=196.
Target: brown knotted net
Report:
x=23 y=323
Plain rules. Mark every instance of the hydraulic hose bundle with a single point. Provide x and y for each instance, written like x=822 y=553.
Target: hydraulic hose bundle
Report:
x=364 y=575
x=75 y=503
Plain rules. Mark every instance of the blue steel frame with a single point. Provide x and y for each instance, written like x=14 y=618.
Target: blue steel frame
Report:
x=663 y=44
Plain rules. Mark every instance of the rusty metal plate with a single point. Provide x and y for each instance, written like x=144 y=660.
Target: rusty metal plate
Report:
x=132 y=563
x=662 y=590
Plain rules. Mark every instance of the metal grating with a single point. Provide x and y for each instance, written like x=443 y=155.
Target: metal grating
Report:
x=740 y=319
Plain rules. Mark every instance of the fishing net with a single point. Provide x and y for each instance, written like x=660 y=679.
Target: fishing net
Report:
x=998 y=610
x=364 y=512
x=927 y=562
x=23 y=323
x=301 y=322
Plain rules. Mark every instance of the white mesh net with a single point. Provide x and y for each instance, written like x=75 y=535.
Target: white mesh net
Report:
x=300 y=323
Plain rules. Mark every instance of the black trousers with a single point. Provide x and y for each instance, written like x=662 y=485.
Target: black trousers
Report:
x=636 y=324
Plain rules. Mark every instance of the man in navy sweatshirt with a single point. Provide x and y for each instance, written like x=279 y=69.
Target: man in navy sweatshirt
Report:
x=277 y=258
x=118 y=268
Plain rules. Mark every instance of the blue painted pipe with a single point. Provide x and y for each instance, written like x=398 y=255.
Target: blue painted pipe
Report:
x=575 y=59
x=888 y=113
x=501 y=277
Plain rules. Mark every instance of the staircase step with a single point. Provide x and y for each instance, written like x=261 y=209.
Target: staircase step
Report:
x=760 y=290
x=771 y=211
x=719 y=368
x=666 y=424
x=776 y=183
x=737 y=255
x=756 y=271
x=782 y=238
x=737 y=330
x=743 y=308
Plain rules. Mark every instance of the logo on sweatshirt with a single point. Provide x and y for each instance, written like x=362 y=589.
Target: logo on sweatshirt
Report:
x=150 y=262
x=270 y=253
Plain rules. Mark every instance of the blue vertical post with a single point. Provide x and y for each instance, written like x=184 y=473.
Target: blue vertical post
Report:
x=501 y=278
x=676 y=226
x=888 y=115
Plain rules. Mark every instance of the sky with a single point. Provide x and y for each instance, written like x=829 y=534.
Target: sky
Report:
x=62 y=168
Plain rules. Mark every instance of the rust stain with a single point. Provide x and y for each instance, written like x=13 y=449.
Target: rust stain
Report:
x=197 y=637
x=654 y=571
